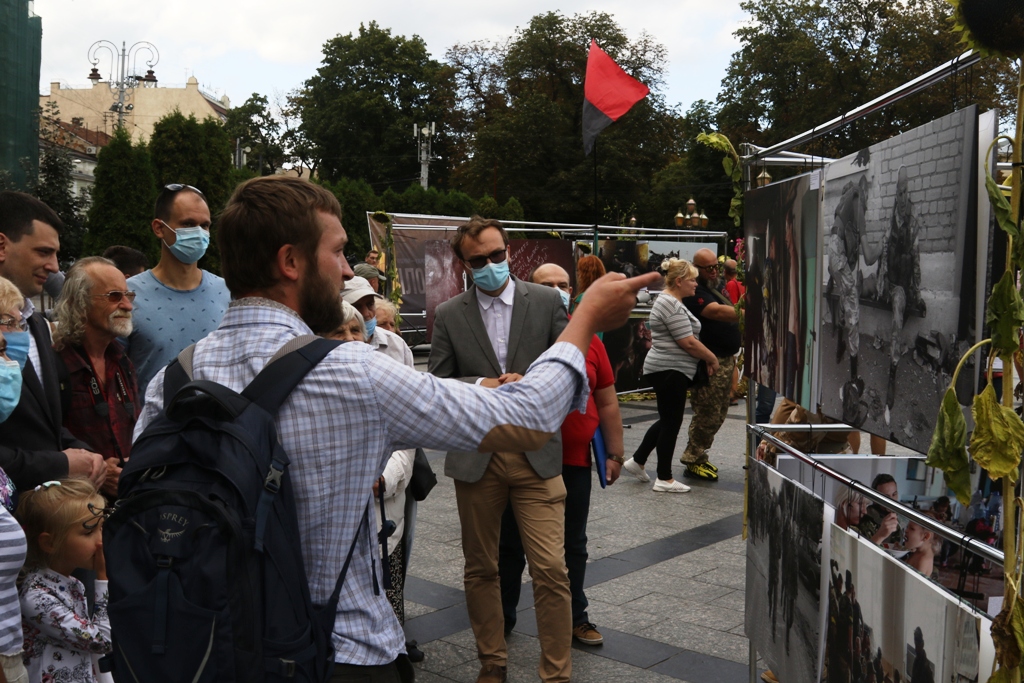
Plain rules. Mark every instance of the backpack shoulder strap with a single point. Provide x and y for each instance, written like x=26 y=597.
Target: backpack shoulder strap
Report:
x=178 y=374
x=286 y=369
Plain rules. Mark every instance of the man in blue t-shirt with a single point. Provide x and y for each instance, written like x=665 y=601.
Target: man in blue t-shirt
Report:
x=177 y=302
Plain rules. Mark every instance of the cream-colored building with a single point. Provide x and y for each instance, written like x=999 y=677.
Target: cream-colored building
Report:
x=146 y=104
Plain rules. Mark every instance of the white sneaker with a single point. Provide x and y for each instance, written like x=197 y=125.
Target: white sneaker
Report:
x=636 y=469
x=670 y=487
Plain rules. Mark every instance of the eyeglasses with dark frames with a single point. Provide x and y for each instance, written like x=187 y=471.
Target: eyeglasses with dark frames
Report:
x=494 y=257
x=8 y=320
x=716 y=266
x=115 y=296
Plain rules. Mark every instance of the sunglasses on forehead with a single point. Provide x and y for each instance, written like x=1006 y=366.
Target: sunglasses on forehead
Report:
x=178 y=187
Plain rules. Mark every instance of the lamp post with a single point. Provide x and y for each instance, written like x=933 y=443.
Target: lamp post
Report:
x=119 y=63
x=680 y=219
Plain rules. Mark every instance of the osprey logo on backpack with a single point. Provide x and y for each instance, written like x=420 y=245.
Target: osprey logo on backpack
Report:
x=210 y=585
x=179 y=521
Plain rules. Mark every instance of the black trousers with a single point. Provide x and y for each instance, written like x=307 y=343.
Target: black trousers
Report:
x=670 y=387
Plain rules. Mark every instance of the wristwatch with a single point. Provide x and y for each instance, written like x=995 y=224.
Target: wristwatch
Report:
x=616 y=458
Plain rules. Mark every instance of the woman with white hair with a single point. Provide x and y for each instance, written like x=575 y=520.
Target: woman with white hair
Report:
x=393 y=482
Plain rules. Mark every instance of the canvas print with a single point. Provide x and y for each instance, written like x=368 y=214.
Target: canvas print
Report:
x=781 y=235
x=446 y=277
x=785 y=549
x=967 y=576
x=887 y=623
x=898 y=278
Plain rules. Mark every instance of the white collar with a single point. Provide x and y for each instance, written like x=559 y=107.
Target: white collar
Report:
x=507 y=295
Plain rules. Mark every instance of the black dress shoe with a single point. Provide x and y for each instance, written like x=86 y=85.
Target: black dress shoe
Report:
x=415 y=654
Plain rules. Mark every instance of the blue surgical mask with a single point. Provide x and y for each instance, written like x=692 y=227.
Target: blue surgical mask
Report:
x=17 y=347
x=10 y=387
x=371 y=326
x=565 y=297
x=190 y=244
x=491 y=277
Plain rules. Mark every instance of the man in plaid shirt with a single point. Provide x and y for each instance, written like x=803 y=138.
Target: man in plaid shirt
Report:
x=282 y=252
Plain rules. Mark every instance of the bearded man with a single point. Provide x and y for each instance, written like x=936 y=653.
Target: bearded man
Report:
x=99 y=389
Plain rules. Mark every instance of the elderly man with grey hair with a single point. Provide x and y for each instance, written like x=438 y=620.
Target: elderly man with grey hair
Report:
x=101 y=389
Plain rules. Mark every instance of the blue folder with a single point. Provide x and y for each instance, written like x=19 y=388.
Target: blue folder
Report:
x=600 y=457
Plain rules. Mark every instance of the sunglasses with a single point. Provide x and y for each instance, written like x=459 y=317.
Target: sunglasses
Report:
x=113 y=297
x=713 y=266
x=494 y=257
x=8 y=320
x=178 y=187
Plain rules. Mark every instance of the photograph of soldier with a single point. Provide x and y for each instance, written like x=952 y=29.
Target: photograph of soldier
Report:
x=898 y=278
x=784 y=555
x=886 y=623
x=781 y=237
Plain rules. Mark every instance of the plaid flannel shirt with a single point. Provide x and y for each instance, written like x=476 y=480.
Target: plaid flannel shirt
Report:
x=340 y=426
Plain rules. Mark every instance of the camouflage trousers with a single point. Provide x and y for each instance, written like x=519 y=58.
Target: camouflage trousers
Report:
x=710 y=406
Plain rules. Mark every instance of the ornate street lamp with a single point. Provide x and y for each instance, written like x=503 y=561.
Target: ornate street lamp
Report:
x=680 y=219
x=119 y=63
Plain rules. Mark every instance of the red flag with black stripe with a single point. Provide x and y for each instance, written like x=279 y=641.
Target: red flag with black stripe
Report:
x=608 y=93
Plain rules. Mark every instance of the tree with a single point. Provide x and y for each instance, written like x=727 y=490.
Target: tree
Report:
x=804 y=62
x=253 y=125
x=359 y=109
x=195 y=153
x=521 y=105
x=122 y=198
x=698 y=174
x=55 y=185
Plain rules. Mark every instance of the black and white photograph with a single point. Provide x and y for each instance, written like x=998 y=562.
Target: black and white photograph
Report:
x=785 y=549
x=898 y=278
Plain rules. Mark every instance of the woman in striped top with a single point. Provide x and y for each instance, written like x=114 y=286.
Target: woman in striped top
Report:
x=670 y=366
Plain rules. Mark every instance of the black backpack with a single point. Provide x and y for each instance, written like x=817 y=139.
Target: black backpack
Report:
x=207 y=581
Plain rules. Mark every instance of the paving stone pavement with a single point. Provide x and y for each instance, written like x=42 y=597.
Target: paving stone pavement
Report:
x=665 y=578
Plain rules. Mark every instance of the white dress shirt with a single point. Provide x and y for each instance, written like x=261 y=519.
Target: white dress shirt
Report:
x=497 y=314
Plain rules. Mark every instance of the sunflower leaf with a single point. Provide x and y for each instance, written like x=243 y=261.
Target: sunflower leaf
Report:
x=948 y=450
x=998 y=437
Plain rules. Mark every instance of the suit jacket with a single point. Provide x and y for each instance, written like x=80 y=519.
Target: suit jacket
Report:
x=32 y=438
x=460 y=348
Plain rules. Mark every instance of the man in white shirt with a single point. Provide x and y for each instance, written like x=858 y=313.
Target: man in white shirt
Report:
x=489 y=335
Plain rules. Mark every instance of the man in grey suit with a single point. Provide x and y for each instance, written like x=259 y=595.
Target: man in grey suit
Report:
x=490 y=335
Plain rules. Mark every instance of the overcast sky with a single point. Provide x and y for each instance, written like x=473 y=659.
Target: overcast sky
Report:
x=267 y=46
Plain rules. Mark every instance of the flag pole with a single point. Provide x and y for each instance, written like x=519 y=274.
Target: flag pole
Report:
x=597 y=215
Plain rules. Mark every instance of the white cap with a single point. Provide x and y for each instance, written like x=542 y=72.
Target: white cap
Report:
x=358 y=288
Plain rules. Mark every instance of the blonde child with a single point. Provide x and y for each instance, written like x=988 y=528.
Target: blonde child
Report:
x=63 y=522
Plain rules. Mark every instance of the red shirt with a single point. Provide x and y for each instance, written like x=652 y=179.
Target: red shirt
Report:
x=578 y=428
x=103 y=417
x=735 y=289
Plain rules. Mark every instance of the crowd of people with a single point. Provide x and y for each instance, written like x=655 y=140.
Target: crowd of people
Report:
x=81 y=382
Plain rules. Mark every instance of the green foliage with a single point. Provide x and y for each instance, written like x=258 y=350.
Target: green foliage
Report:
x=733 y=169
x=803 y=62
x=948 y=450
x=357 y=197
x=122 y=199
x=254 y=126
x=1004 y=315
x=520 y=121
x=196 y=153
x=998 y=437
x=359 y=109
x=55 y=190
